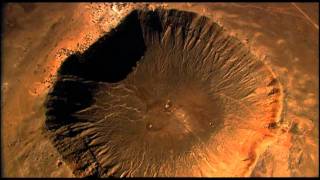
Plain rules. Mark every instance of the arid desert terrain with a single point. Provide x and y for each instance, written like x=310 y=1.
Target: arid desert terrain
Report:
x=38 y=37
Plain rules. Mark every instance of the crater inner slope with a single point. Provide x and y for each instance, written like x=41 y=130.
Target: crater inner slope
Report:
x=165 y=93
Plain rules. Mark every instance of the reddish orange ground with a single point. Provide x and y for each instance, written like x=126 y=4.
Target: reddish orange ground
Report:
x=283 y=35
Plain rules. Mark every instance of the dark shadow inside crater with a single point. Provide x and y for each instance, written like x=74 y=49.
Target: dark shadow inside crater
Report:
x=69 y=95
x=143 y=97
x=112 y=57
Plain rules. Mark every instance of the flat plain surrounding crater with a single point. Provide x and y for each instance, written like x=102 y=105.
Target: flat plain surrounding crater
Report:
x=160 y=89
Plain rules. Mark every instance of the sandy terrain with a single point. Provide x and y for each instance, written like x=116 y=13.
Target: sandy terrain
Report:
x=38 y=37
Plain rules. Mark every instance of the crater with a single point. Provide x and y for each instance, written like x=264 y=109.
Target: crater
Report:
x=155 y=93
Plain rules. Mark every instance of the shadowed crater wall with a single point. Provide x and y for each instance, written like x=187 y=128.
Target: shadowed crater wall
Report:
x=151 y=95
